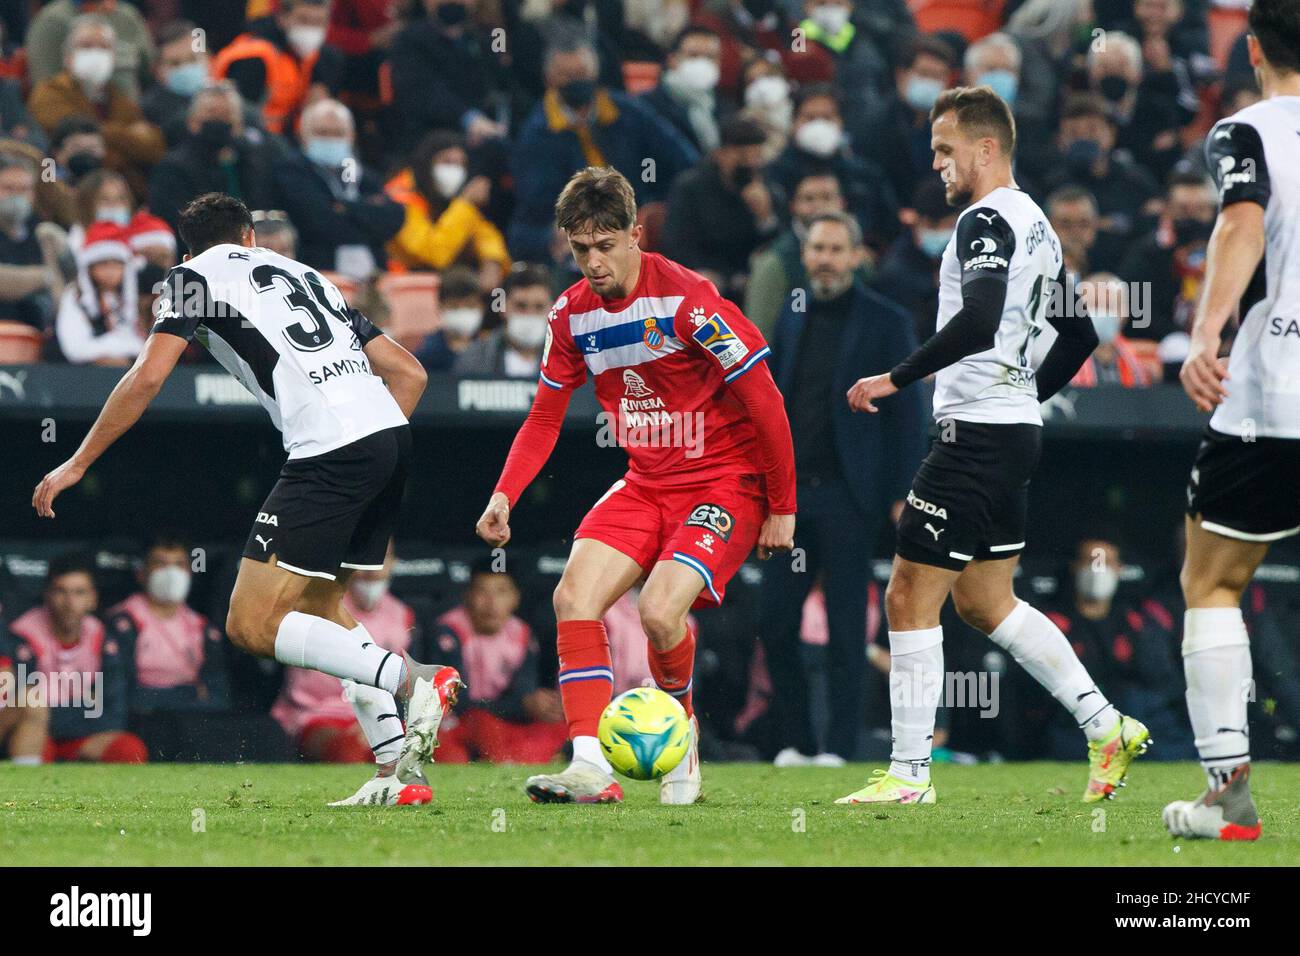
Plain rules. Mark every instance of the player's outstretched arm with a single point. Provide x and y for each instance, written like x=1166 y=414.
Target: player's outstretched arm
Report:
x=400 y=370
x=1235 y=249
x=528 y=453
x=130 y=397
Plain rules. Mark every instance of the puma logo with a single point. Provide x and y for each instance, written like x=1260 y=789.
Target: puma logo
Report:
x=930 y=528
x=986 y=217
x=264 y=542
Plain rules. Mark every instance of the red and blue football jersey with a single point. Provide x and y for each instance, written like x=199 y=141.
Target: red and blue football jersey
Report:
x=661 y=358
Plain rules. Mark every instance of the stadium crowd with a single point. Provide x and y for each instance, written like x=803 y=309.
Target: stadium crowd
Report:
x=412 y=150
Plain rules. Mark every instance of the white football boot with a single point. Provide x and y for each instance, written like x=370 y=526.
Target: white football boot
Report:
x=389 y=791
x=1226 y=813
x=432 y=691
x=681 y=785
x=580 y=782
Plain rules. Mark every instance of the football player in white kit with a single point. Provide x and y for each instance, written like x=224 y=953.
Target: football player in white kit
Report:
x=964 y=528
x=340 y=392
x=1243 y=492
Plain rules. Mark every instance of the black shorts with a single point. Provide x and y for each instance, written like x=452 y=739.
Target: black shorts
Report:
x=335 y=510
x=1248 y=490
x=970 y=496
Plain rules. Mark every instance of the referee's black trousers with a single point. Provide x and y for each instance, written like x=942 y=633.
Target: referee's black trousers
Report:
x=833 y=539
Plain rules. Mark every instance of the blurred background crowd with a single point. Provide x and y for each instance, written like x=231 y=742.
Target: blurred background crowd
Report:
x=412 y=150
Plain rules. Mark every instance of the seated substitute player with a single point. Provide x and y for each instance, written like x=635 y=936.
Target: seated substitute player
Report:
x=680 y=373
x=964 y=527
x=1242 y=494
x=23 y=727
x=320 y=370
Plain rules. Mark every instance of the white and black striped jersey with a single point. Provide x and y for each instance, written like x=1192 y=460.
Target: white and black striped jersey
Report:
x=1003 y=235
x=1254 y=156
x=285 y=332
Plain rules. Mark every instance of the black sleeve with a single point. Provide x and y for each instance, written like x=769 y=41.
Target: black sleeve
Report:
x=365 y=330
x=984 y=245
x=1076 y=338
x=184 y=303
x=1234 y=154
x=249 y=77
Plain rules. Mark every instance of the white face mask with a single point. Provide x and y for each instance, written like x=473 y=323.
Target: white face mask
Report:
x=169 y=585
x=119 y=215
x=821 y=137
x=462 y=321
x=92 y=65
x=1096 y=585
x=697 y=73
x=306 y=40
x=526 y=331
x=767 y=91
x=369 y=593
x=831 y=17
x=448 y=178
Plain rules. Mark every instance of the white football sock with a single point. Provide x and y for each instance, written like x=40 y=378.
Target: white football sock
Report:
x=915 y=685
x=1217 y=665
x=305 y=640
x=1038 y=646
x=32 y=760
x=587 y=749
x=376 y=712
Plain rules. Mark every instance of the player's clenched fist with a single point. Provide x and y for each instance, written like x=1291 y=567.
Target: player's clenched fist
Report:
x=494 y=526
x=777 y=534
x=1203 y=373
x=865 y=391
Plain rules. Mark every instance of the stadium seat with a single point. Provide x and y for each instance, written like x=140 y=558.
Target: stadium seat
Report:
x=348 y=286
x=640 y=76
x=973 y=19
x=412 y=300
x=20 y=344
x=1225 y=26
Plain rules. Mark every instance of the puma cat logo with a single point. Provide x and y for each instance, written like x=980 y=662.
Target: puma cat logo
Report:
x=265 y=542
x=930 y=528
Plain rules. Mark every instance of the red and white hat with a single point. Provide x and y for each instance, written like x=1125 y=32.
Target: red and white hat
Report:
x=105 y=242
x=147 y=230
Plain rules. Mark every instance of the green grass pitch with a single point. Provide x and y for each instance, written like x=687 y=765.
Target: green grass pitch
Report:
x=753 y=814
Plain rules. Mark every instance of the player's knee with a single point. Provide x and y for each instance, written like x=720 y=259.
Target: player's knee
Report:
x=898 y=601
x=246 y=628
x=569 y=603
x=663 y=624
x=978 y=613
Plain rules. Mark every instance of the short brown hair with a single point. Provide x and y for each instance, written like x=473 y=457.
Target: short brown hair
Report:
x=598 y=195
x=980 y=112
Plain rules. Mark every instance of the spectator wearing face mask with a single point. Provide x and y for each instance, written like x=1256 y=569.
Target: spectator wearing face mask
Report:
x=30 y=277
x=686 y=95
x=313 y=707
x=49 y=30
x=818 y=141
x=762 y=27
x=445 y=75
x=98 y=322
x=908 y=273
x=444 y=206
x=283 y=62
x=721 y=211
x=217 y=154
x=132 y=145
x=1072 y=211
x=513 y=349
x=181 y=71
x=996 y=61
x=1124 y=191
x=102 y=195
x=1116 y=360
x=767 y=101
x=1169 y=262
x=176 y=658
x=897 y=135
x=78 y=148
x=778 y=269
x=1151 y=100
x=577 y=124
x=859 y=64
x=460 y=316
x=339 y=207
x=507 y=717
x=275 y=232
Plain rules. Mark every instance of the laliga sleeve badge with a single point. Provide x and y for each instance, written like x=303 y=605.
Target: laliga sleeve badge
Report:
x=716 y=336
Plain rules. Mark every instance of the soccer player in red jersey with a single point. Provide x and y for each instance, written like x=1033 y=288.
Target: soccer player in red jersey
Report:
x=681 y=376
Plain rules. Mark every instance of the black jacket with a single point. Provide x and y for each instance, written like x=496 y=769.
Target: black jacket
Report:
x=880 y=453
x=189 y=171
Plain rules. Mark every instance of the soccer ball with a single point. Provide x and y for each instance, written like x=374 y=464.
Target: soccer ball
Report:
x=644 y=733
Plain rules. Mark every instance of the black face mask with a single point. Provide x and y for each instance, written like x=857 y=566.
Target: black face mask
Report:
x=451 y=14
x=215 y=134
x=578 y=93
x=81 y=163
x=742 y=176
x=1114 y=88
x=1191 y=231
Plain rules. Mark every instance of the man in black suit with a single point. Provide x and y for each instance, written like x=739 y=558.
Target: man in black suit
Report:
x=854 y=471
